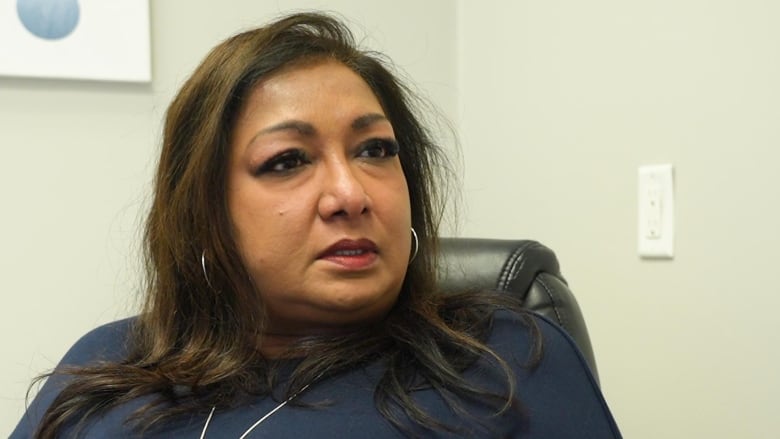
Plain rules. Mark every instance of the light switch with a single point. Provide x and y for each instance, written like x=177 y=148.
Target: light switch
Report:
x=656 y=211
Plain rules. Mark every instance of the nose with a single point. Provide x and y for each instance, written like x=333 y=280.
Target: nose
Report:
x=342 y=194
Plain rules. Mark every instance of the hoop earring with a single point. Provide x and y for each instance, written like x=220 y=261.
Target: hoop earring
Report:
x=416 y=245
x=203 y=266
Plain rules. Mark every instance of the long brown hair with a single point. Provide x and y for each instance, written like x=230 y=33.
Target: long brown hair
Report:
x=198 y=333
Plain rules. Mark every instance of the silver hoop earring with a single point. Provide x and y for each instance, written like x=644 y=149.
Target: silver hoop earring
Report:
x=203 y=266
x=416 y=245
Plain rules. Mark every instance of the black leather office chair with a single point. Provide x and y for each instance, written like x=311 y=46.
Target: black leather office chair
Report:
x=526 y=269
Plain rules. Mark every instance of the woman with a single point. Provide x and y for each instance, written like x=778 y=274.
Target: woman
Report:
x=290 y=252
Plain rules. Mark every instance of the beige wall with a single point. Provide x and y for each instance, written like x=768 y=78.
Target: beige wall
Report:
x=560 y=101
x=78 y=158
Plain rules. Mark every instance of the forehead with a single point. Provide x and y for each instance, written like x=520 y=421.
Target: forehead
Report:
x=325 y=98
x=307 y=83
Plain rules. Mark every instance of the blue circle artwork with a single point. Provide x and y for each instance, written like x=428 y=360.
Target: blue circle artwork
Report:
x=49 y=19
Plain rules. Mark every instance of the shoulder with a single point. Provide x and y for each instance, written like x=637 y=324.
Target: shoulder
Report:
x=560 y=394
x=517 y=336
x=108 y=342
x=511 y=330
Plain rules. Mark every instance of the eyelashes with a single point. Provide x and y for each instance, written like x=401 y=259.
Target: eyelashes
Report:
x=379 y=148
x=291 y=160
x=284 y=162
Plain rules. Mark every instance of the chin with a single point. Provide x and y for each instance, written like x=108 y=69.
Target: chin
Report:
x=365 y=308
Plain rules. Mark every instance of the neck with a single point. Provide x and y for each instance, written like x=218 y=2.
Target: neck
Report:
x=274 y=345
x=281 y=344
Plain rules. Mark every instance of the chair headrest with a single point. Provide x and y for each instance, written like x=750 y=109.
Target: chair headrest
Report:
x=493 y=264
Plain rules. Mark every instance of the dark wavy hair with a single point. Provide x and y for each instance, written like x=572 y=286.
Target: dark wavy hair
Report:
x=194 y=345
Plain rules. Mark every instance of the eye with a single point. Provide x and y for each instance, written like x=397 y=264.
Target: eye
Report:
x=284 y=162
x=379 y=148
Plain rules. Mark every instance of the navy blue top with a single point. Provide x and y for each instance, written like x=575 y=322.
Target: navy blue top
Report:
x=560 y=396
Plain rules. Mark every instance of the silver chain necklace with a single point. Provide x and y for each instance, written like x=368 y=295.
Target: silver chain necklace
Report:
x=259 y=421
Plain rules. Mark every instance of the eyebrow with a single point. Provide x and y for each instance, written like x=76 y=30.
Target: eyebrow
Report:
x=303 y=128
x=307 y=130
x=367 y=120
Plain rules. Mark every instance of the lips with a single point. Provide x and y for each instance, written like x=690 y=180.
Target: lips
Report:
x=351 y=254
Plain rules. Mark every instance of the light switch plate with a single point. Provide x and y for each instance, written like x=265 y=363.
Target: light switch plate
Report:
x=656 y=211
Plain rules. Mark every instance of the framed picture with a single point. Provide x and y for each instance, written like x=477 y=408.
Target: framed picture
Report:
x=105 y=40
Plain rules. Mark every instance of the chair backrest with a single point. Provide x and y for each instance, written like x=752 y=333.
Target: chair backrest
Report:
x=523 y=268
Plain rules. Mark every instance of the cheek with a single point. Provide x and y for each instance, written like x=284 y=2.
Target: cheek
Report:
x=272 y=230
x=402 y=204
x=259 y=221
x=393 y=202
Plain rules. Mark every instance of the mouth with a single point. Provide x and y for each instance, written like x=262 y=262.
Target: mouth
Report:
x=351 y=254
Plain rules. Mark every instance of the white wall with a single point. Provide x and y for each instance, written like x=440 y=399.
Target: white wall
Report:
x=560 y=101
x=78 y=159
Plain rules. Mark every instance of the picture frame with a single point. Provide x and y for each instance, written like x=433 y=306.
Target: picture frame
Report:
x=103 y=40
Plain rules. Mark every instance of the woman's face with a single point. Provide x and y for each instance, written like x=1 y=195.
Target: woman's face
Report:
x=318 y=199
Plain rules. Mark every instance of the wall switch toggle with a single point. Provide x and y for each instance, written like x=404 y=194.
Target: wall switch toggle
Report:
x=656 y=211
